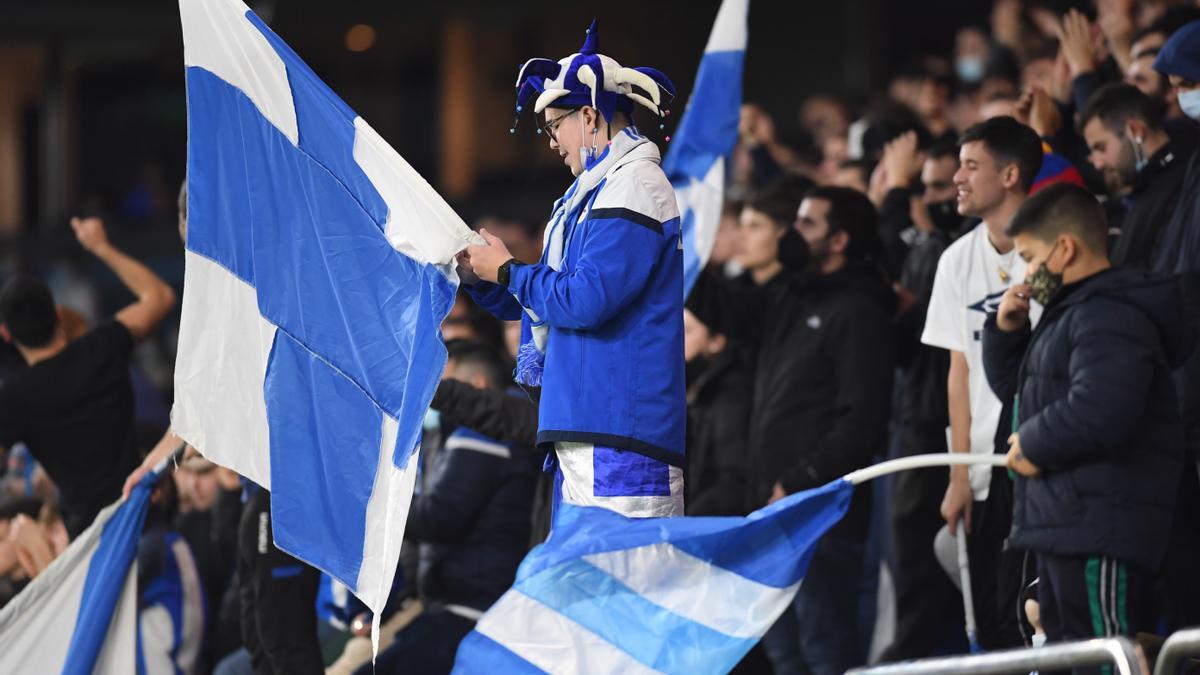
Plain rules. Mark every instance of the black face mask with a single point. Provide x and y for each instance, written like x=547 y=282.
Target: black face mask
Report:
x=1045 y=284
x=945 y=216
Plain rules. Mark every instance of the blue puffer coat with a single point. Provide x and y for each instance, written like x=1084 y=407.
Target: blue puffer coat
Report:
x=1098 y=414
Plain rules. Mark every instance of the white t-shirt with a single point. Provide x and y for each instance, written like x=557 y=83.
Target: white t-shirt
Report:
x=971 y=278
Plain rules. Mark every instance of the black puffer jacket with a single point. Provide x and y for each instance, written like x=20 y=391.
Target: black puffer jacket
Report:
x=473 y=519
x=823 y=377
x=1098 y=415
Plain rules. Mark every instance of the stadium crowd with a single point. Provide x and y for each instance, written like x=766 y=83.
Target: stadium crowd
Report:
x=1000 y=253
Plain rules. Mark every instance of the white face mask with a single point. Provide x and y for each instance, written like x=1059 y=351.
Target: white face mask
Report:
x=970 y=69
x=1189 y=103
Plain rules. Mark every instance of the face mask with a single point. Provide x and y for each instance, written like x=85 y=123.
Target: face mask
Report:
x=969 y=69
x=1189 y=103
x=433 y=420
x=1045 y=283
x=945 y=216
x=1139 y=156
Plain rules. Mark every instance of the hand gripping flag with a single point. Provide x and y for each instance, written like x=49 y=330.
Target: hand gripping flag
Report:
x=609 y=594
x=319 y=267
x=80 y=615
x=700 y=149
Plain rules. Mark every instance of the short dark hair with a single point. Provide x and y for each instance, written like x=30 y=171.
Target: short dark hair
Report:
x=27 y=309
x=1063 y=208
x=850 y=211
x=482 y=356
x=779 y=200
x=1009 y=142
x=944 y=148
x=1116 y=103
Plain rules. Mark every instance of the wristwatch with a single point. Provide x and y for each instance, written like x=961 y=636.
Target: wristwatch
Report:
x=502 y=274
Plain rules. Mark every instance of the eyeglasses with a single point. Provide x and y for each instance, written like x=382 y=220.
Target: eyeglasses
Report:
x=551 y=128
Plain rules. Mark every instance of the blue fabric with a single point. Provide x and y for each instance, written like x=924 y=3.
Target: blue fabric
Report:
x=106 y=579
x=487 y=655
x=620 y=291
x=619 y=473
x=772 y=546
x=357 y=320
x=573 y=589
x=286 y=571
x=707 y=134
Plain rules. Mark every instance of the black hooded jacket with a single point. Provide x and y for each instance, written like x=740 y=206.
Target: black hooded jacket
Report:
x=823 y=376
x=1098 y=414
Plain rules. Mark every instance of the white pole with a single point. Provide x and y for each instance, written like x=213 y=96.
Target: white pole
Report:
x=921 y=462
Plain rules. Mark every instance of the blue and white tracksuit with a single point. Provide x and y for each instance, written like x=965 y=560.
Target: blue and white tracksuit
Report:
x=613 y=387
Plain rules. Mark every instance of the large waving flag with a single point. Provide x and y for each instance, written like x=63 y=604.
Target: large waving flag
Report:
x=609 y=594
x=80 y=615
x=701 y=147
x=318 y=270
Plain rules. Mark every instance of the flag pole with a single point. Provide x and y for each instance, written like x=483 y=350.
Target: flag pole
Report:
x=922 y=462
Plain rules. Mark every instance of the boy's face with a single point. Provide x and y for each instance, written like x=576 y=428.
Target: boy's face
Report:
x=1034 y=251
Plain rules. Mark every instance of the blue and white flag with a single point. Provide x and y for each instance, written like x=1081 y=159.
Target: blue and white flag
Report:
x=80 y=615
x=609 y=594
x=701 y=146
x=319 y=267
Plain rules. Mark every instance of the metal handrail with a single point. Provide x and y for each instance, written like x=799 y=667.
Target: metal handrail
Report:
x=1118 y=651
x=1180 y=645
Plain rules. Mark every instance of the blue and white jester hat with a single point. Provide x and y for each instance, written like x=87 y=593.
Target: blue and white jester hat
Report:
x=590 y=78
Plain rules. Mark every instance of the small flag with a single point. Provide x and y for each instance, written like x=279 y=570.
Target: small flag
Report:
x=700 y=149
x=609 y=594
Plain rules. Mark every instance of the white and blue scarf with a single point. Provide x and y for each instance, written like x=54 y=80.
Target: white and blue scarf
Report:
x=628 y=146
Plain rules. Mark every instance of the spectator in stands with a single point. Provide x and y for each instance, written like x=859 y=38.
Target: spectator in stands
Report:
x=210 y=506
x=719 y=389
x=1179 y=253
x=998 y=161
x=73 y=407
x=821 y=399
x=1098 y=438
x=923 y=592
x=1139 y=162
x=472 y=521
x=172 y=611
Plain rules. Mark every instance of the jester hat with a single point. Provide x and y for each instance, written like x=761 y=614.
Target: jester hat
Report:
x=590 y=78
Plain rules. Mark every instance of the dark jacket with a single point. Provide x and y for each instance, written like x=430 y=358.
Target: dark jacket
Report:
x=472 y=520
x=823 y=377
x=923 y=407
x=1156 y=193
x=505 y=416
x=1097 y=413
x=718 y=414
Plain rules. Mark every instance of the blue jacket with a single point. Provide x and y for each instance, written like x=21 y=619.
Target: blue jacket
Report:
x=614 y=371
x=1098 y=415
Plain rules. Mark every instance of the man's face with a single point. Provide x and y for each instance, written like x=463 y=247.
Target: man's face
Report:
x=566 y=132
x=979 y=180
x=757 y=240
x=202 y=489
x=812 y=223
x=937 y=175
x=1110 y=154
